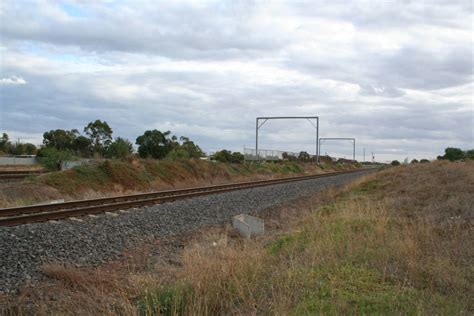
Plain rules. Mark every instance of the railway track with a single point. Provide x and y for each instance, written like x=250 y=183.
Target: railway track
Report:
x=18 y=174
x=44 y=212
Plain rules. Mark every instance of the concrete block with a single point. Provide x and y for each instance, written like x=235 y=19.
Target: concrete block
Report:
x=248 y=225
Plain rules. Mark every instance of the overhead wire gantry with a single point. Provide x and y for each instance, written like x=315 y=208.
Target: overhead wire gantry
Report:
x=266 y=118
x=321 y=140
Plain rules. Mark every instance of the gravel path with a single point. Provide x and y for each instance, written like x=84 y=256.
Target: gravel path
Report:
x=97 y=239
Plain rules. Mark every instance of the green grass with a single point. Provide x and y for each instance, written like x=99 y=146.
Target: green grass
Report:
x=353 y=289
x=166 y=301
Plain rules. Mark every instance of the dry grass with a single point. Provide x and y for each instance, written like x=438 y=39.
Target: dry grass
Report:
x=398 y=242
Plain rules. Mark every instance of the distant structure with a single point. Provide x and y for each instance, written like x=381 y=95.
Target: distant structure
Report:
x=310 y=119
x=323 y=139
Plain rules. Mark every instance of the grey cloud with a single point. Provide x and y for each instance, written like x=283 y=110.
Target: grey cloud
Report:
x=171 y=30
x=217 y=107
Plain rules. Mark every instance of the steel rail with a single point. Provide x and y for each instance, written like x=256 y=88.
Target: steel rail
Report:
x=18 y=174
x=2 y=172
x=36 y=213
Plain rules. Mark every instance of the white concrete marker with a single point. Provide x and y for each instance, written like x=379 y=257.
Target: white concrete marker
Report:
x=248 y=225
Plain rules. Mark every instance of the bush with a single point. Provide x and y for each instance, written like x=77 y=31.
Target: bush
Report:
x=414 y=161
x=223 y=156
x=237 y=157
x=51 y=158
x=121 y=148
x=452 y=154
x=470 y=154
x=188 y=149
x=304 y=156
x=30 y=149
x=178 y=153
x=424 y=161
x=228 y=156
x=395 y=163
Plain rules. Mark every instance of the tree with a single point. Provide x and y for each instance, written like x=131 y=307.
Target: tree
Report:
x=424 y=161
x=470 y=154
x=155 y=144
x=453 y=154
x=222 y=156
x=304 y=156
x=236 y=157
x=414 y=161
x=60 y=139
x=29 y=149
x=187 y=149
x=4 y=142
x=100 y=135
x=395 y=163
x=193 y=150
x=228 y=156
x=286 y=156
x=16 y=149
x=120 y=148
x=82 y=146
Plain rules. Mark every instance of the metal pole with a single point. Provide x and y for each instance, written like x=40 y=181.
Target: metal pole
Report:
x=364 y=154
x=317 y=140
x=319 y=148
x=354 y=152
x=256 y=140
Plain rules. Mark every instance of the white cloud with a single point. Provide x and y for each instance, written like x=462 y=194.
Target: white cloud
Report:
x=13 y=80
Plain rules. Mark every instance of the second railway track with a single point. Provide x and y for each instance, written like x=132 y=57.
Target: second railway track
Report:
x=18 y=174
x=38 y=213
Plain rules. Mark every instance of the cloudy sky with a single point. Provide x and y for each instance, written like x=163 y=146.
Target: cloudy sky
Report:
x=396 y=75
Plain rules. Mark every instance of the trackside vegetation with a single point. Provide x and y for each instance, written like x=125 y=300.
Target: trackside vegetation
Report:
x=148 y=174
x=100 y=178
x=395 y=242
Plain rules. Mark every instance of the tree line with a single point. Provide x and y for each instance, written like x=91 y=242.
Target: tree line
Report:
x=97 y=141
x=16 y=148
x=450 y=153
x=455 y=154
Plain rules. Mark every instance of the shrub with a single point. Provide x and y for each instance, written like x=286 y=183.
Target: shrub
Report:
x=188 y=149
x=395 y=163
x=121 y=148
x=304 y=156
x=470 y=154
x=452 y=154
x=51 y=158
x=236 y=157
x=228 y=156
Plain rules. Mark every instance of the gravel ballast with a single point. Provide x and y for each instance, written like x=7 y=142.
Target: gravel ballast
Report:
x=93 y=240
